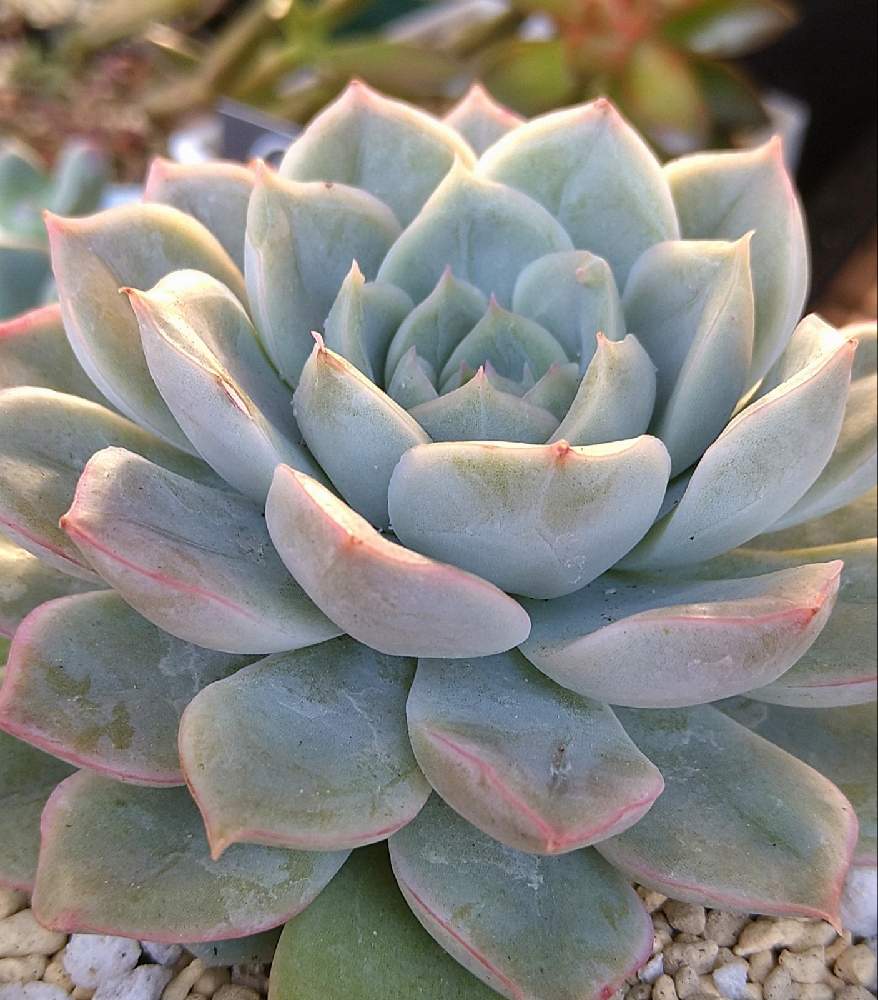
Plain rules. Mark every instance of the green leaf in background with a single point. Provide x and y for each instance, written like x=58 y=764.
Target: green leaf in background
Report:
x=528 y=76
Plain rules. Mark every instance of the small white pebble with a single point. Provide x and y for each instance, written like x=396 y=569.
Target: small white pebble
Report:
x=663 y=989
x=761 y=963
x=233 y=992
x=82 y=993
x=699 y=955
x=763 y=935
x=662 y=933
x=816 y=934
x=726 y=955
x=652 y=900
x=91 y=959
x=652 y=970
x=162 y=954
x=707 y=986
x=183 y=982
x=686 y=917
x=731 y=980
x=212 y=979
x=146 y=982
x=857 y=966
x=812 y=991
x=640 y=991
x=20 y=934
x=724 y=928
x=753 y=991
x=804 y=966
x=32 y=991
x=854 y=993
x=859 y=902
x=778 y=985
x=56 y=973
x=22 y=970
x=11 y=901
x=839 y=945
x=687 y=983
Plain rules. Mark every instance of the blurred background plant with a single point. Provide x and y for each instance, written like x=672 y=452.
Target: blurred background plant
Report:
x=121 y=73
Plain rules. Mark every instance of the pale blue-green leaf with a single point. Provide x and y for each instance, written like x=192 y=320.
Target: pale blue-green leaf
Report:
x=723 y=196
x=194 y=560
x=301 y=241
x=538 y=520
x=134 y=246
x=80 y=173
x=413 y=380
x=615 y=399
x=595 y=174
x=363 y=320
x=118 y=859
x=534 y=766
x=487 y=233
x=761 y=464
x=564 y=928
x=480 y=119
x=690 y=303
x=573 y=295
x=382 y=594
x=743 y=846
x=438 y=324
x=703 y=640
x=556 y=390
x=215 y=193
x=93 y=683
x=394 y=151
x=358 y=939
x=509 y=342
x=27 y=778
x=24 y=270
x=479 y=412
x=47 y=438
x=329 y=766
x=209 y=366
x=356 y=431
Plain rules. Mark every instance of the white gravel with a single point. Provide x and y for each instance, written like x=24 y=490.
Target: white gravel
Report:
x=94 y=959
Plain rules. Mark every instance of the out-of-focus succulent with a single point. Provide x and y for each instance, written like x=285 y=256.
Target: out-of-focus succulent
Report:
x=280 y=575
x=26 y=191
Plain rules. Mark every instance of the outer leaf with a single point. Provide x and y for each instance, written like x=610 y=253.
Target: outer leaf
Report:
x=702 y=640
x=351 y=425
x=479 y=412
x=329 y=765
x=480 y=119
x=92 y=259
x=359 y=939
x=438 y=324
x=725 y=195
x=301 y=241
x=24 y=270
x=573 y=295
x=120 y=859
x=27 y=777
x=761 y=464
x=78 y=179
x=785 y=856
x=391 y=150
x=34 y=351
x=204 y=356
x=615 y=399
x=852 y=469
x=26 y=582
x=565 y=928
x=485 y=232
x=93 y=683
x=535 y=767
x=593 y=172
x=193 y=560
x=536 y=520
x=691 y=305
x=214 y=193
x=556 y=390
x=411 y=383
x=840 y=743
x=394 y=600
x=47 y=439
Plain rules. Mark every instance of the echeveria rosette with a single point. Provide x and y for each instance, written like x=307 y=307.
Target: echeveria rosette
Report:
x=441 y=524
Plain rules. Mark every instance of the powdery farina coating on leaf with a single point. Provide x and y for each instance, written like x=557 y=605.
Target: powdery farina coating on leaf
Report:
x=535 y=417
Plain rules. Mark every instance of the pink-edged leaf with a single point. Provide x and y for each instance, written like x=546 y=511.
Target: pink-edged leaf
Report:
x=92 y=682
x=741 y=825
x=194 y=560
x=27 y=778
x=534 y=766
x=46 y=438
x=480 y=119
x=392 y=599
x=565 y=928
x=703 y=640
x=327 y=767
x=120 y=859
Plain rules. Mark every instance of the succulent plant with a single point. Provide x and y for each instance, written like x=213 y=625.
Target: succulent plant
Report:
x=437 y=526
x=26 y=190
